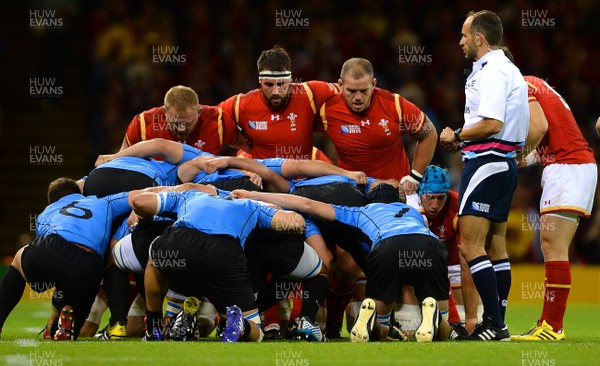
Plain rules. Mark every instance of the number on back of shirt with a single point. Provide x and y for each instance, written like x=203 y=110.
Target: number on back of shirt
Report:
x=75 y=211
x=402 y=212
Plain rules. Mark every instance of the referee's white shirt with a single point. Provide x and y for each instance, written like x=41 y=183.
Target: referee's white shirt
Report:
x=496 y=89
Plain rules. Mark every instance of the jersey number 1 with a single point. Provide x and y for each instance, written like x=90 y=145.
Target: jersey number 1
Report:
x=402 y=212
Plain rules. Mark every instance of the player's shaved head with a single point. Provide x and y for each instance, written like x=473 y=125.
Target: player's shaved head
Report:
x=180 y=98
x=61 y=187
x=357 y=68
x=489 y=24
x=275 y=59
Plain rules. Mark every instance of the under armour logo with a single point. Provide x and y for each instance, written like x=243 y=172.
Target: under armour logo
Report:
x=547 y=202
x=365 y=123
x=274 y=117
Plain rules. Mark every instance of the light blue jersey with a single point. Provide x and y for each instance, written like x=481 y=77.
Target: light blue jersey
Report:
x=225 y=174
x=220 y=175
x=122 y=231
x=311 y=227
x=162 y=172
x=380 y=220
x=83 y=220
x=214 y=215
x=272 y=163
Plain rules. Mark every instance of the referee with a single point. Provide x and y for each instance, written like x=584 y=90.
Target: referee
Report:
x=496 y=124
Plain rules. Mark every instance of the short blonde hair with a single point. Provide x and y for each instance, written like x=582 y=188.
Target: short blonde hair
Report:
x=181 y=98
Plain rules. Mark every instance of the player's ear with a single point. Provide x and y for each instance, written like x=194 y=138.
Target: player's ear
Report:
x=374 y=82
x=340 y=82
x=478 y=39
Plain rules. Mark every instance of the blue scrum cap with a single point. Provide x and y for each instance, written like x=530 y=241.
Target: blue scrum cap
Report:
x=435 y=180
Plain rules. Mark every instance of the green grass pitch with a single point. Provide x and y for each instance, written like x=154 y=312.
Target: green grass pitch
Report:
x=20 y=345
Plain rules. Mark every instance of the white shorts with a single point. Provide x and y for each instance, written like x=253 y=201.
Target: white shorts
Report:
x=125 y=257
x=568 y=188
x=454 y=275
x=308 y=266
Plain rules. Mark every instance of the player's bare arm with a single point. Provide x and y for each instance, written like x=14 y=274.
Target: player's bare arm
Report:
x=292 y=168
x=124 y=144
x=538 y=126
x=171 y=151
x=319 y=210
x=288 y=221
x=272 y=181
x=427 y=142
x=188 y=170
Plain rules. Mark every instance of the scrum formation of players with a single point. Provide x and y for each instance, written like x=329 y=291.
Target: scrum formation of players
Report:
x=227 y=240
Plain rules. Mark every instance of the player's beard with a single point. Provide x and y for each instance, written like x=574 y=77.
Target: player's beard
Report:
x=278 y=102
x=180 y=135
x=471 y=51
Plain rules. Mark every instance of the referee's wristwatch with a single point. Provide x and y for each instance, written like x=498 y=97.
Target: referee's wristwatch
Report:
x=457 y=134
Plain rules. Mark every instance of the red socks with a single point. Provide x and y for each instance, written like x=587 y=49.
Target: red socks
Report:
x=557 y=287
x=453 y=316
x=271 y=315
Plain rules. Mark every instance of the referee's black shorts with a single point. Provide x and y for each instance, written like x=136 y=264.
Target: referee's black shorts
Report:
x=416 y=260
x=200 y=264
x=487 y=186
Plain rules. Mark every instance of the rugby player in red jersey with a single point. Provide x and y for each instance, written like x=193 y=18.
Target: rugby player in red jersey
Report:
x=279 y=116
x=183 y=119
x=366 y=124
x=568 y=185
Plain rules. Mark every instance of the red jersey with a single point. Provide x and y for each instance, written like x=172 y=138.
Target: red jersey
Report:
x=285 y=132
x=563 y=143
x=445 y=226
x=372 y=141
x=213 y=129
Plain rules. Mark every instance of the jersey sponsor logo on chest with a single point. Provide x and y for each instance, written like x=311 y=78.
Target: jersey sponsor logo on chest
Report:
x=258 y=125
x=384 y=123
x=348 y=129
x=264 y=125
